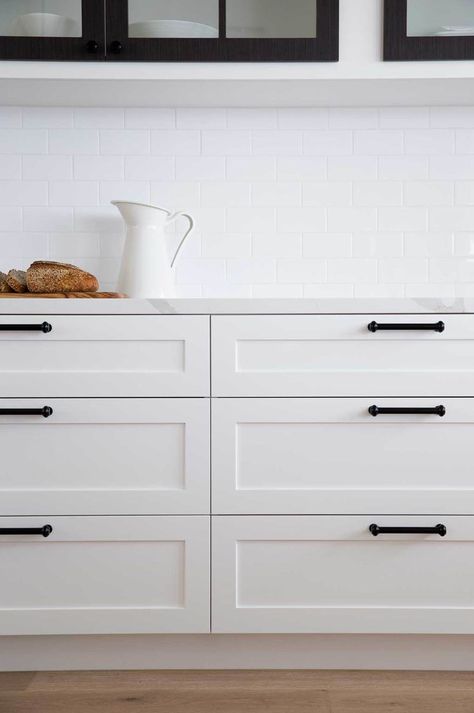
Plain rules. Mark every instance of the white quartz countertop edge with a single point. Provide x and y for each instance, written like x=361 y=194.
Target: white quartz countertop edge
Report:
x=223 y=306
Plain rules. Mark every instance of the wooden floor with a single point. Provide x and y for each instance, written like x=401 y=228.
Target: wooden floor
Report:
x=237 y=692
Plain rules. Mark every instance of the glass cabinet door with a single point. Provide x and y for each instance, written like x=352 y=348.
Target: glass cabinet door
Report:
x=223 y=30
x=51 y=29
x=429 y=29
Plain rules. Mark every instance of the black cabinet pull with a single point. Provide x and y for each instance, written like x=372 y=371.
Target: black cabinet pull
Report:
x=435 y=327
x=434 y=411
x=116 y=47
x=45 y=327
x=45 y=531
x=436 y=530
x=92 y=46
x=45 y=411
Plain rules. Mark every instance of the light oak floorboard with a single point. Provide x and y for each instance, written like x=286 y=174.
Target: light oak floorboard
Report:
x=237 y=692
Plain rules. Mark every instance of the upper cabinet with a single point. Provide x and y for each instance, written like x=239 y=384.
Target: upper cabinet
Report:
x=429 y=30
x=52 y=29
x=170 y=30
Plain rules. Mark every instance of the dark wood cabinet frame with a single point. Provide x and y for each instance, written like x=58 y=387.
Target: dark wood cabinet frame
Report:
x=398 y=47
x=322 y=48
x=89 y=47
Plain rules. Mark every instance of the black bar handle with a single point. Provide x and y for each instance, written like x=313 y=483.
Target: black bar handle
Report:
x=45 y=411
x=436 y=530
x=434 y=410
x=45 y=531
x=45 y=327
x=414 y=327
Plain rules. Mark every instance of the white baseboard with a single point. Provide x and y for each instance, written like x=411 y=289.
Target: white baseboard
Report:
x=47 y=653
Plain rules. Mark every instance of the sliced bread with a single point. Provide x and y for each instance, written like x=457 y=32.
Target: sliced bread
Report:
x=4 y=286
x=48 y=277
x=16 y=279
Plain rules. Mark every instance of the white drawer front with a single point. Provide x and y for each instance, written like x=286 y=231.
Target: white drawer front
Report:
x=330 y=575
x=109 y=575
x=105 y=456
x=298 y=456
x=305 y=355
x=106 y=356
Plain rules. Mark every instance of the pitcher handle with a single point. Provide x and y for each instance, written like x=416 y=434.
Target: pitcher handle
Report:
x=190 y=229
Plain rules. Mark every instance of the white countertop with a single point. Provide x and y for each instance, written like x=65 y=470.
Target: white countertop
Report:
x=237 y=306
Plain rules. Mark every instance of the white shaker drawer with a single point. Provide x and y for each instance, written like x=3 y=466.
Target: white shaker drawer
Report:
x=111 y=575
x=310 y=456
x=330 y=575
x=337 y=355
x=104 y=456
x=104 y=356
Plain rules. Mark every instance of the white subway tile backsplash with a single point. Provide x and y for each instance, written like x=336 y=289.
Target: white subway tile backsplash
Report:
x=302 y=271
x=301 y=168
x=277 y=245
x=376 y=143
x=73 y=193
x=429 y=142
x=306 y=219
x=150 y=118
x=317 y=202
x=377 y=244
x=74 y=141
x=428 y=193
x=323 y=245
x=352 y=168
x=326 y=193
x=124 y=142
x=283 y=193
x=251 y=219
x=173 y=142
x=327 y=143
x=352 y=219
x=23 y=193
x=98 y=168
x=221 y=142
x=10 y=167
x=251 y=168
x=148 y=168
x=45 y=117
x=23 y=141
x=47 y=167
x=377 y=193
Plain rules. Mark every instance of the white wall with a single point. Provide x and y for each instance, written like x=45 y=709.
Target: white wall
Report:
x=289 y=202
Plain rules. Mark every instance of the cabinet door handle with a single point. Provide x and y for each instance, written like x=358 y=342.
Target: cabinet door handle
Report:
x=436 y=530
x=412 y=327
x=116 y=47
x=92 y=47
x=45 y=531
x=45 y=327
x=434 y=411
x=45 y=411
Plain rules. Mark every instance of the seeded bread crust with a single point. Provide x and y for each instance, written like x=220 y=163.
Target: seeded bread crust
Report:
x=16 y=279
x=4 y=286
x=48 y=277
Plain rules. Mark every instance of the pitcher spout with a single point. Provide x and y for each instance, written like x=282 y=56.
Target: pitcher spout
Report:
x=141 y=214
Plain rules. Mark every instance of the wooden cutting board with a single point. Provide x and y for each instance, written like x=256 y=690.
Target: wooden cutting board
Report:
x=63 y=295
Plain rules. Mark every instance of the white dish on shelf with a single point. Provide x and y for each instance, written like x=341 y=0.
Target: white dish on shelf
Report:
x=171 y=28
x=44 y=24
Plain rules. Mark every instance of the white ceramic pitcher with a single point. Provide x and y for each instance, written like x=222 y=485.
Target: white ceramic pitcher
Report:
x=147 y=268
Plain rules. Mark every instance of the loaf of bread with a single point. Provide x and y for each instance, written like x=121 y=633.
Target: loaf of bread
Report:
x=47 y=277
x=4 y=286
x=16 y=279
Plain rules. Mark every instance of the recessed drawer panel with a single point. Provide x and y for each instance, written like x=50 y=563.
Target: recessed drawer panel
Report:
x=338 y=355
x=331 y=575
x=111 y=575
x=91 y=355
x=104 y=456
x=292 y=456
